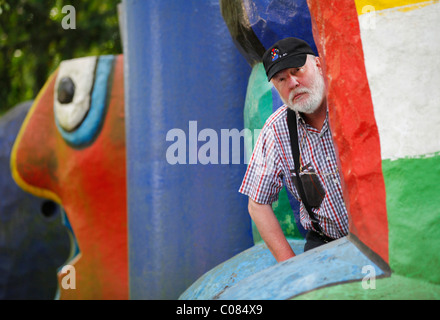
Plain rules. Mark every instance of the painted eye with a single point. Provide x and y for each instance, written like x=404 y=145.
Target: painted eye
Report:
x=75 y=83
x=66 y=90
x=80 y=97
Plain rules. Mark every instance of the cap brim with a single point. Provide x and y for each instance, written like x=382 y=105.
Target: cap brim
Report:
x=295 y=61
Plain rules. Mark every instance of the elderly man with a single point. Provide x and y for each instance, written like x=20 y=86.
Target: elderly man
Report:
x=298 y=129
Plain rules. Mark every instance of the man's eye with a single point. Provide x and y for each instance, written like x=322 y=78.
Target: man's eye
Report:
x=295 y=70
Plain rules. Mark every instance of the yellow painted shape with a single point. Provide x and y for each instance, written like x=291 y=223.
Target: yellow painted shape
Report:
x=43 y=193
x=364 y=6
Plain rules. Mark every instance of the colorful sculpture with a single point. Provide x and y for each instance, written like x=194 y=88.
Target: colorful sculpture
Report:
x=408 y=147
x=146 y=228
x=385 y=241
x=185 y=218
x=34 y=243
x=82 y=168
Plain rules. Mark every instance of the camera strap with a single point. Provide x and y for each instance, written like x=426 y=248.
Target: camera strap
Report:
x=293 y=132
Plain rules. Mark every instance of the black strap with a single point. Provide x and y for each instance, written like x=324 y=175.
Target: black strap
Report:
x=293 y=132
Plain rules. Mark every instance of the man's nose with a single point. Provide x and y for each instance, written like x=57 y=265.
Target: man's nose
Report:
x=292 y=81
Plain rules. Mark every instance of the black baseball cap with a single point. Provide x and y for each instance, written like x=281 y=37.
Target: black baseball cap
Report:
x=286 y=53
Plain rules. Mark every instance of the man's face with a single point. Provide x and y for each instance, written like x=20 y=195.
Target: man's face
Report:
x=301 y=89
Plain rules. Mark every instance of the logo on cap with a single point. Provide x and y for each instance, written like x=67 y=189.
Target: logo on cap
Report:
x=274 y=53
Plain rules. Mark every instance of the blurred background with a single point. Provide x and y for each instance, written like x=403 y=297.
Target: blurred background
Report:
x=34 y=240
x=33 y=43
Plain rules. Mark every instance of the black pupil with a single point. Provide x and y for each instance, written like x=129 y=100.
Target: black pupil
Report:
x=48 y=209
x=66 y=90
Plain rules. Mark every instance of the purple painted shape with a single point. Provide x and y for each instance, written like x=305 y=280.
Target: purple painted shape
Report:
x=272 y=20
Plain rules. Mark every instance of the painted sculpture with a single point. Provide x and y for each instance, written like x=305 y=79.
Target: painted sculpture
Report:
x=76 y=158
x=146 y=228
x=409 y=148
x=185 y=218
x=34 y=243
x=380 y=155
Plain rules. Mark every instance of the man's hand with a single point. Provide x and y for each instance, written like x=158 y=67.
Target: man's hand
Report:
x=270 y=230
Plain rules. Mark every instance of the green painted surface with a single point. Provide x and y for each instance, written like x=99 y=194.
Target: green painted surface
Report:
x=285 y=216
x=413 y=205
x=283 y=212
x=413 y=209
x=258 y=107
x=395 y=287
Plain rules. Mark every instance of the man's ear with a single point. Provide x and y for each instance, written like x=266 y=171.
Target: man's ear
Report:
x=318 y=64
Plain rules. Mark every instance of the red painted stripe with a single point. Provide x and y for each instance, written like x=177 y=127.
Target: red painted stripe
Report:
x=337 y=36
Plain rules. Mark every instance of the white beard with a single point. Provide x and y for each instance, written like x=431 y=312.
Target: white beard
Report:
x=315 y=96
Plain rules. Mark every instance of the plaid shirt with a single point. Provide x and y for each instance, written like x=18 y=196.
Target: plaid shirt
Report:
x=272 y=161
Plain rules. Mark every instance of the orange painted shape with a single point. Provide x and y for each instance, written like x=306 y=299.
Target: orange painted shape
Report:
x=337 y=36
x=90 y=184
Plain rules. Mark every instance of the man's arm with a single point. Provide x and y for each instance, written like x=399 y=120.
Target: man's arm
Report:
x=270 y=230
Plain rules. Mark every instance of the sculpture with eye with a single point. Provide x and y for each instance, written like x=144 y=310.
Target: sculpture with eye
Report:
x=81 y=96
x=71 y=149
x=66 y=90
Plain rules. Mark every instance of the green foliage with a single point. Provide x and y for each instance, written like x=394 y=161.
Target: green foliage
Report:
x=33 y=41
